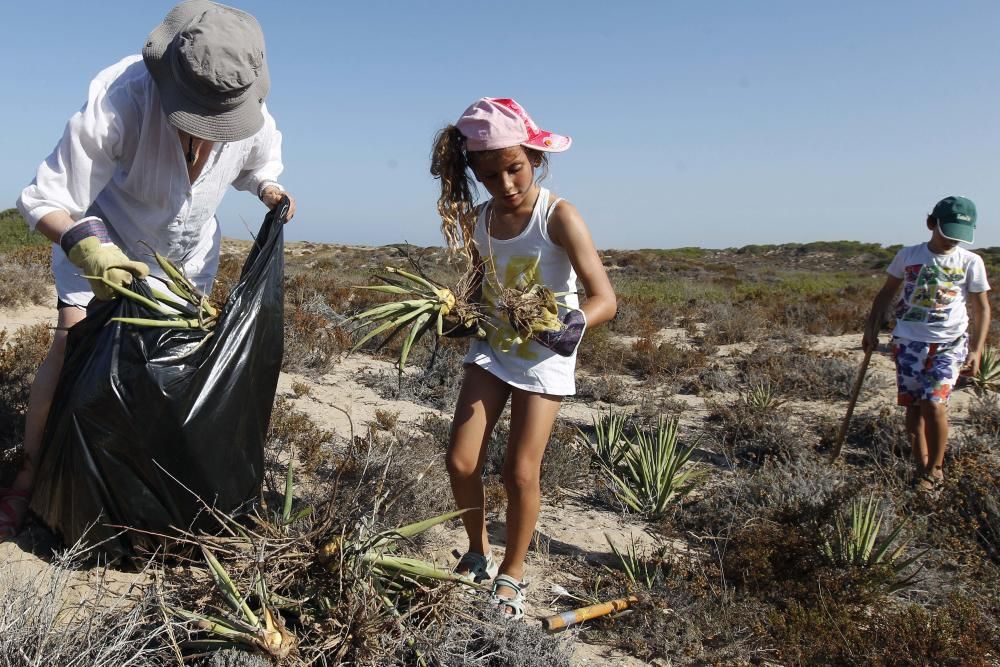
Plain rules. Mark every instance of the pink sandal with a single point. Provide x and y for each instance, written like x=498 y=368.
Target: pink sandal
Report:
x=13 y=508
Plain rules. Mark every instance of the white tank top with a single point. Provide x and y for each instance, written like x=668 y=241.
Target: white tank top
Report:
x=529 y=258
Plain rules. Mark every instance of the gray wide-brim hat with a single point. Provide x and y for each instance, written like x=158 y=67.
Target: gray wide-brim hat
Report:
x=208 y=63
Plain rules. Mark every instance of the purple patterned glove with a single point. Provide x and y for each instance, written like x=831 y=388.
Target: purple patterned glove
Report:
x=565 y=341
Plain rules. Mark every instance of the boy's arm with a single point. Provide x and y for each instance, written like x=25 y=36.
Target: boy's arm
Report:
x=980 y=304
x=883 y=300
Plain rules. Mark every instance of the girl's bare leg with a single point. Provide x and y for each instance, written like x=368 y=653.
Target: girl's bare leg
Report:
x=480 y=403
x=531 y=419
x=43 y=388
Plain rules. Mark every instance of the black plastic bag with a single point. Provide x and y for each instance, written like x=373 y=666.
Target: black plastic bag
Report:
x=148 y=424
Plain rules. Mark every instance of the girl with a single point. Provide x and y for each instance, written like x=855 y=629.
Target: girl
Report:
x=523 y=236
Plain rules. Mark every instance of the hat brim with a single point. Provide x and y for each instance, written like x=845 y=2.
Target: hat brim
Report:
x=549 y=142
x=957 y=231
x=185 y=114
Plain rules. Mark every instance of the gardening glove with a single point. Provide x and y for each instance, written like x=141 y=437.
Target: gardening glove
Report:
x=564 y=341
x=89 y=247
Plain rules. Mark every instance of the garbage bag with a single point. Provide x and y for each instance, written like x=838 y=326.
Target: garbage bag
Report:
x=150 y=425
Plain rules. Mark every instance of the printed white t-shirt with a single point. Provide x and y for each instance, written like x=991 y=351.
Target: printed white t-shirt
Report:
x=931 y=307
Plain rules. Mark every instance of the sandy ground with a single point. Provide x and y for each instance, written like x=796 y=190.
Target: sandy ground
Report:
x=337 y=402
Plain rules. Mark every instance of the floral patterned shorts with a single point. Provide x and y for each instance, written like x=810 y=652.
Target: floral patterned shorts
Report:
x=927 y=371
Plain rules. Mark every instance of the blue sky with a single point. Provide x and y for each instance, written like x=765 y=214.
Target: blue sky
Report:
x=713 y=124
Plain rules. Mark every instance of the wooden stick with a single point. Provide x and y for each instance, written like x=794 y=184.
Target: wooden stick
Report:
x=855 y=392
x=574 y=616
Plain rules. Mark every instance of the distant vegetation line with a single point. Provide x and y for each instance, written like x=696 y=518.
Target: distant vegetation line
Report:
x=14 y=233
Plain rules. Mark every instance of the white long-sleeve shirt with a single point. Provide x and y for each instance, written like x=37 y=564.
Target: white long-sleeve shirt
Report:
x=120 y=158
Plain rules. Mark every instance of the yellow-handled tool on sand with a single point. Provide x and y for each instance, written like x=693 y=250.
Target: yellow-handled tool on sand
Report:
x=574 y=616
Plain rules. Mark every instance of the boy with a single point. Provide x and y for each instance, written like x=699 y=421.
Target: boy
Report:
x=932 y=342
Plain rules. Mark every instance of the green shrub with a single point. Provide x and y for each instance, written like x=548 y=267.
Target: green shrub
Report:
x=14 y=232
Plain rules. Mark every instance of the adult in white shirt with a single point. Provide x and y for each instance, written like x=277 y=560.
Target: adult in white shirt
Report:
x=146 y=161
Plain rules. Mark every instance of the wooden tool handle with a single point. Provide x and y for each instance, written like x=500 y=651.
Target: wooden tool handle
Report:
x=573 y=616
x=855 y=392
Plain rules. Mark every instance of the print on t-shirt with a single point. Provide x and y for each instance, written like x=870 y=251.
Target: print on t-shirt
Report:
x=929 y=292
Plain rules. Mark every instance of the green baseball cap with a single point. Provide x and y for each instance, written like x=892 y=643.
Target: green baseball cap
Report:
x=956 y=218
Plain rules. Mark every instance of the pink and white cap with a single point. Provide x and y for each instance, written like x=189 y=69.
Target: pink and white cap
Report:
x=500 y=122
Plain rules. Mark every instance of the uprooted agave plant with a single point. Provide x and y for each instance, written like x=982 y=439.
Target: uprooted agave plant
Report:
x=312 y=582
x=429 y=306
x=186 y=307
x=530 y=310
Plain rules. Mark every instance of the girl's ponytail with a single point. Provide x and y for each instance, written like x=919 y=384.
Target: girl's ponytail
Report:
x=456 y=204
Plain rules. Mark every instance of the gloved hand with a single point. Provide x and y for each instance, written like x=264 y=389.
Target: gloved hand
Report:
x=565 y=341
x=88 y=246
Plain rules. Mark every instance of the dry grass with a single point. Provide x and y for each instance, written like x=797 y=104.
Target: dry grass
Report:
x=54 y=620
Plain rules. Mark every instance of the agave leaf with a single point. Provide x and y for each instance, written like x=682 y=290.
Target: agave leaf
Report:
x=232 y=628
x=286 y=508
x=301 y=514
x=385 y=310
x=159 y=324
x=413 y=277
x=412 y=567
x=129 y=294
x=879 y=553
x=228 y=588
x=385 y=289
x=420 y=325
x=402 y=319
x=168 y=301
x=412 y=529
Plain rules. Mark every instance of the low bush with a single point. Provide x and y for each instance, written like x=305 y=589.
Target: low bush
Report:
x=709 y=379
x=312 y=341
x=478 y=638
x=728 y=323
x=20 y=356
x=603 y=388
x=293 y=430
x=602 y=353
x=828 y=632
x=800 y=374
x=984 y=416
x=26 y=275
x=749 y=435
x=648 y=359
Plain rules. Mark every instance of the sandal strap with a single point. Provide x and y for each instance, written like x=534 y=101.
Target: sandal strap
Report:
x=509 y=582
x=473 y=561
x=516 y=603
